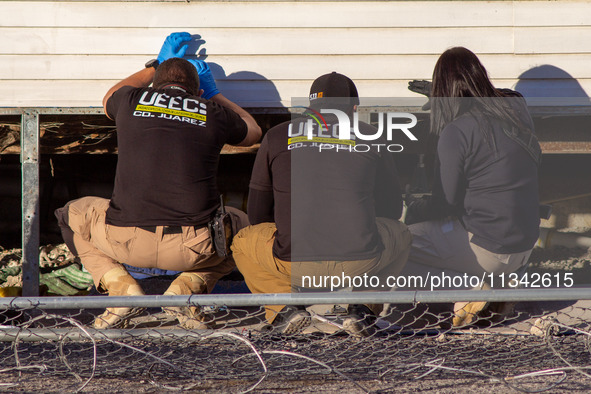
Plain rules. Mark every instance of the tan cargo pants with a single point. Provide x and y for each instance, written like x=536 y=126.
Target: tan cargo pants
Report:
x=101 y=247
x=264 y=273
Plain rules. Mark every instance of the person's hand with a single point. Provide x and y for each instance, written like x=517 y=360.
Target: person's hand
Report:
x=206 y=81
x=172 y=46
x=420 y=86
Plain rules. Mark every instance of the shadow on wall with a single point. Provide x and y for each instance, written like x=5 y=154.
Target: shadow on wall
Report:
x=549 y=81
x=246 y=88
x=560 y=175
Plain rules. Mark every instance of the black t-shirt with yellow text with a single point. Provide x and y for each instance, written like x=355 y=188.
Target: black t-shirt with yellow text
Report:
x=323 y=194
x=169 y=146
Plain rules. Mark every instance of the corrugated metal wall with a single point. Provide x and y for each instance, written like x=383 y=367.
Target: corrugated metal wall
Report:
x=69 y=53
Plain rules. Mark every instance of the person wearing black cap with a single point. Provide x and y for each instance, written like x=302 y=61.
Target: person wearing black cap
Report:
x=169 y=138
x=321 y=211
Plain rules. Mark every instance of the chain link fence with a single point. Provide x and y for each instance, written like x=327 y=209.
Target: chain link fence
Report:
x=531 y=340
x=48 y=344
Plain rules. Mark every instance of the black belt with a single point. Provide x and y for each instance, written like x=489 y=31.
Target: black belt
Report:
x=167 y=229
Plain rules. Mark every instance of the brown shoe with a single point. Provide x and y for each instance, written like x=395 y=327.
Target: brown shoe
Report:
x=189 y=317
x=116 y=317
x=290 y=320
x=360 y=321
x=466 y=313
x=118 y=282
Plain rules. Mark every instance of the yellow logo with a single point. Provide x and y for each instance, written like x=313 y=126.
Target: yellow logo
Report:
x=149 y=108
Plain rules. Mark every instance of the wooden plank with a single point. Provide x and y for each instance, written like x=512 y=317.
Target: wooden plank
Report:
x=268 y=41
x=552 y=40
x=273 y=94
x=69 y=66
x=570 y=147
x=108 y=145
x=284 y=67
x=204 y=14
x=552 y=13
x=25 y=93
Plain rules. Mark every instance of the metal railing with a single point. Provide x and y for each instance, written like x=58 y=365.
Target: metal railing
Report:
x=381 y=297
x=30 y=131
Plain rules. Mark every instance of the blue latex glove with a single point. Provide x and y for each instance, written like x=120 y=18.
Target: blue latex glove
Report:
x=206 y=81
x=172 y=46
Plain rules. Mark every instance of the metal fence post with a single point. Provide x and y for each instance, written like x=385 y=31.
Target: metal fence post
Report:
x=30 y=201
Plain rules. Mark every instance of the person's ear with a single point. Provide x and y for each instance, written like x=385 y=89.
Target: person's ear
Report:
x=200 y=93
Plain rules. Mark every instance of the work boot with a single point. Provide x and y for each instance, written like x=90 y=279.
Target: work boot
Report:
x=290 y=320
x=466 y=313
x=189 y=317
x=118 y=282
x=360 y=321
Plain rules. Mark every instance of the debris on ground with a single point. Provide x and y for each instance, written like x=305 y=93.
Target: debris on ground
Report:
x=60 y=272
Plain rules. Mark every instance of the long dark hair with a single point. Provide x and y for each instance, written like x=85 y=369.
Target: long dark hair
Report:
x=459 y=75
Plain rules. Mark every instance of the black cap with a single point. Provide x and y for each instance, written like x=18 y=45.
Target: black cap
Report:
x=334 y=90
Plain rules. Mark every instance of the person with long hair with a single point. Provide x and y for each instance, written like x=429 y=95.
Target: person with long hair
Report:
x=483 y=215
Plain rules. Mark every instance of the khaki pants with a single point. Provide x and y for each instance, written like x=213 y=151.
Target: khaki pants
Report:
x=264 y=273
x=443 y=249
x=101 y=247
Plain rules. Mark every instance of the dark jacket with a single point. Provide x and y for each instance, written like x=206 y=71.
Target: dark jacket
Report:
x=490 y=181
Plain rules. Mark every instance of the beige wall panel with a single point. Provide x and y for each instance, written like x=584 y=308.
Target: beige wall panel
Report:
x=285 y=14
x=552 y=13
x=250 y=94
x=563 y=39
x=288 y=41
x=61 y=53
x=279 y=67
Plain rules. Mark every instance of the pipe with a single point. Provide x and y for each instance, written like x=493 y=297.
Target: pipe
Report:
x=550 y=237
x=339 y=297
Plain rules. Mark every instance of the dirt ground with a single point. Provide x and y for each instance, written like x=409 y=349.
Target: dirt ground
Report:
x=482 y=371
x=439 y=386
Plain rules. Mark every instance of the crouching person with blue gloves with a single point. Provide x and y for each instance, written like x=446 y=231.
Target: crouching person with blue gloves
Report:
x=169 y=139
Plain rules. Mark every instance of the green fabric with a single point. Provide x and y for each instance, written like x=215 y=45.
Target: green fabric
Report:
x=9 y=271
x=70 y=280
